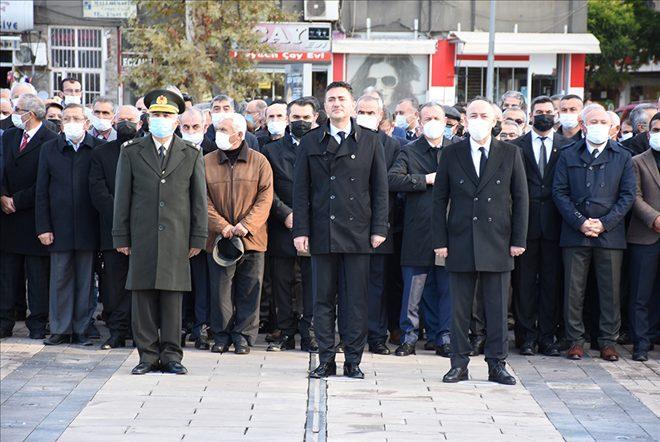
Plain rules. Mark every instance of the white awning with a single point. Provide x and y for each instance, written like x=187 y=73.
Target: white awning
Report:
x=516 y=43
x=388 y=46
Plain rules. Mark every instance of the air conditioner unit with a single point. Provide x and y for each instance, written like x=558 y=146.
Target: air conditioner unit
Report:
x=23 y=55
x=321 y=10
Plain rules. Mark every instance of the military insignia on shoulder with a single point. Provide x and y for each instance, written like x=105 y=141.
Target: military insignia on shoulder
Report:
x=127 y=143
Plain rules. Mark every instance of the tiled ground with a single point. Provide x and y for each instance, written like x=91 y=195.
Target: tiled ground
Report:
x=71 y=393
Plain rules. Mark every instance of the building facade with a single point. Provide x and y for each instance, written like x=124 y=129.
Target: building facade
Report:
x=424 y=48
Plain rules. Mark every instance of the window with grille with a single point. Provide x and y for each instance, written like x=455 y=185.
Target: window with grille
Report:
x=78 y=53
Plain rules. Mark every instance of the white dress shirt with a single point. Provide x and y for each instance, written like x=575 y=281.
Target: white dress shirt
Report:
x=536 y=146
x=166 y=145
x=334 y=131
x=476 y=153
x=591 y=148
x=30 y=133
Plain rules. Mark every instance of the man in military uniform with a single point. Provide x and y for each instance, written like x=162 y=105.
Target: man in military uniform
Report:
x=160 y=221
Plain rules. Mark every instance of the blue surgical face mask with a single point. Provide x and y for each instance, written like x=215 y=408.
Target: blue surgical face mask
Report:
x=448 y=134
x=161 y=127
x=249 y=118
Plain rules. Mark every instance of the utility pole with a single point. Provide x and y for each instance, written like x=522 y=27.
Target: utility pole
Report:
x=190 y=25
x=490 y=70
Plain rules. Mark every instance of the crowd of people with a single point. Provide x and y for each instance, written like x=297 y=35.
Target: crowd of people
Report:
x=214 y=222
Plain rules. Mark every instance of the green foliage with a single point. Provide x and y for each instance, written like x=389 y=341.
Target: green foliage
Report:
x=628 y=34
x=202 y=64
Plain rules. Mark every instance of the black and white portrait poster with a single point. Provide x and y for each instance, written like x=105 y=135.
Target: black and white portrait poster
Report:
x=395 y=76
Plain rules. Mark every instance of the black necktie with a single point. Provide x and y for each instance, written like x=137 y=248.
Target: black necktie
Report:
x=161 y=154
x=482 y=161
x=542 y=157
x=342 y=136
x=594 y=154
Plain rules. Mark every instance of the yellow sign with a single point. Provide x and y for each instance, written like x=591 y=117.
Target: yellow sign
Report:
x=265 y=84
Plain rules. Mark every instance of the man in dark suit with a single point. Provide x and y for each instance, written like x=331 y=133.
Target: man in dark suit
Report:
x=425 y=283
x=639 y=119
x=593 y=188
x=160 y=220
x=537 y=305
x=340 y=216
x=20 y=251
x=483 y=183
x=114 y=296
x=67 y=223
x=406 y=120
x=369 y=111
x=284 y=261
x=644 y=245
x=221 y=105
x=570 y=107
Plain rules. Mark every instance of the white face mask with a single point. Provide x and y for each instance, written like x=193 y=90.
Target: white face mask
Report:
x=401 y=121
x=434 y=129
x=368 y=121
x=479 y=129
x=194 y=138
x=598 y=133
x=568 y=121
x=73 y=131
x=217 y=117
x=654 y=141
x=72 y=99
x=3 y=116
x=222 y=141
x=17 y=121
x=276 y=127
x=100 y=124
x=626 y=136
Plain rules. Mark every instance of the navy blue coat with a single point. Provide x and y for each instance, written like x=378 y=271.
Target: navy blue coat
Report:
x=63 y=202
x=17 y=231
x=604 y=189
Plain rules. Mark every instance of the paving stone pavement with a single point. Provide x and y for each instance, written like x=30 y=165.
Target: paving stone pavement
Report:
x=74 y=393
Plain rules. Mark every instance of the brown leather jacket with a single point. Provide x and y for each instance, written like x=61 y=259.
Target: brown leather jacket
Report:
x=239 y=193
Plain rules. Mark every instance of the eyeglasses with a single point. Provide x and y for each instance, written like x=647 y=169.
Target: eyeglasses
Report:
x=387 y=81
x=508 y=136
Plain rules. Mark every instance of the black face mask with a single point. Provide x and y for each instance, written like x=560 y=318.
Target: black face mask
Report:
x=57 y=123
x=495 y=131
x=145 y=122
x=543 y=122
x=299 y=128
x=126 y=130
x=460 y=130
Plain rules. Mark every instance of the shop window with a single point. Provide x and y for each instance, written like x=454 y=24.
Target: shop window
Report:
x=78 y=53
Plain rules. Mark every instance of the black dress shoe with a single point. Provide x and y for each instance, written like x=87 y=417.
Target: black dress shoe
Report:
x=37 y=334
x=339 y=348
x=405 y=350
x=324 y=370
x=273 y=336
x=640 y=356
x=456 y=374
x=144 y=368
x=5 y=334
x=497 y=373
x=429 y=346
x=174 y=367
x=241 y=349
x=379 y=348
x=220 y=348
x=201 y=344
x=527 y=348
x=443 y=350
x=285 y=342
x=478 y=343
x=81 y=339
x=309 y=345
x=353 y=371
x=113 y=342
x=549 y=350
x=57 y=340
